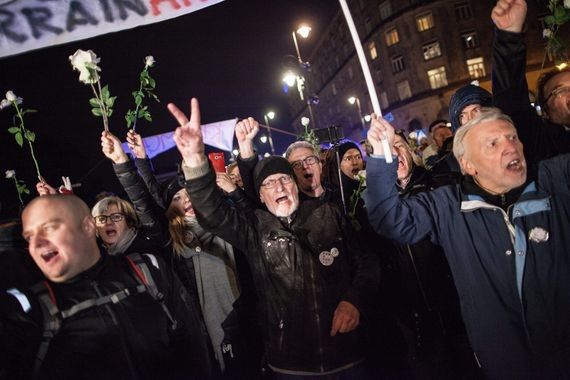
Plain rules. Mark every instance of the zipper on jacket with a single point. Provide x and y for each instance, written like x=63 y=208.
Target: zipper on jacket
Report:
x=422 y=291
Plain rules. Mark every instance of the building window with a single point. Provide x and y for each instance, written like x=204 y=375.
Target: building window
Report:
x=476 y=67
x=397 y=64
x=392 y=37
x=431 y=50
x=372 y=50
x=384 y=100
x=424 y=21
x=470 y=40
x=463 y=10
x=404 y=91
x=385 y=10
x=437 y=77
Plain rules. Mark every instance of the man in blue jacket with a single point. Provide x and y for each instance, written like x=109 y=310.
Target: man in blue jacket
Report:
x=504 y=231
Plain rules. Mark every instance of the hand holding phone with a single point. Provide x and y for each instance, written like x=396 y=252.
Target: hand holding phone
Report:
x=218 y=162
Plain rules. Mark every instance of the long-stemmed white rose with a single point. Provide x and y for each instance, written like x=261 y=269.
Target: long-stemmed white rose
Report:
x=146 y=88
x=20 y=185
x=20 y=131
x=86 y=63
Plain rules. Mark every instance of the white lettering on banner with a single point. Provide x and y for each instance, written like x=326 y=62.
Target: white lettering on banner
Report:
x=219 y=135
x=32 y=24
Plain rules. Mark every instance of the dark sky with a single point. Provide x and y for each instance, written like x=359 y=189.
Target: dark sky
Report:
x=229 y=56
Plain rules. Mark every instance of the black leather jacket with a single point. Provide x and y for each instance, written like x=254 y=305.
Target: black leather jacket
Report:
x=298 y=294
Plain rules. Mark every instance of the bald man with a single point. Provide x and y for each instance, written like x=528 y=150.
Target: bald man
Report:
x=119 y=317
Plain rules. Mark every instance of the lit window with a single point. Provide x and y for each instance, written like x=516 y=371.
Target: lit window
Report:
x=404 y=91
x=470 y=40
x=383 y=99
x=424 y=22
x=372 y=50
x=476 y=67
x=392 y=37
x=431 y=50
x=385 y=10
x=437 y=77
x=397 y=64
x=463 y=10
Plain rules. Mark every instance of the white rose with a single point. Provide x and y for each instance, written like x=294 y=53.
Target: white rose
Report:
x=149 y=61
x=547 y=33
x=10 y=173
x=10 y=96
x=4 y=103
x=566 y=3
x=86 y=63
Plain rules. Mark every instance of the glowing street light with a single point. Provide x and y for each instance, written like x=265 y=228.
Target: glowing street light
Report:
x=304 y=31
x=263 y=139
x=355 y=100
x=267 y=116
x=289 y=78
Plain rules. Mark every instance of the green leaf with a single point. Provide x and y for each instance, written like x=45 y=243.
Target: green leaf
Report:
x=109 y=112
x=25 y=111
x=110 y=101
x=154 y=97
x=550 y=20
x=26 y=191
x=30 y=136
x=13 y=130
x=559 y=15
x=19 y=139
x=147 y=117
x=151 y=82
x=96 y=111
x=105 y=92
x=138 y=100
x=94 y=102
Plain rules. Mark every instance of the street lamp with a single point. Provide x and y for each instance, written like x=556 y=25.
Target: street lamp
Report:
x=303 y=31
x=267 y=116
x=353 y=100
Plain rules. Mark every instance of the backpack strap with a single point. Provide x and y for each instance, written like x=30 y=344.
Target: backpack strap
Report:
x=143 y=275
x=52 y=321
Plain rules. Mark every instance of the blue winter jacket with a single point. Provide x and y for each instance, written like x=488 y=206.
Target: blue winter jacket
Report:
x=511 y=270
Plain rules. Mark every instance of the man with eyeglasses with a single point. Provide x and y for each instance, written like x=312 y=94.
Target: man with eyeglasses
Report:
x=311 y=277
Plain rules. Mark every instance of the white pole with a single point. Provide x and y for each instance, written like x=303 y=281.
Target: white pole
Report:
x=366 y=71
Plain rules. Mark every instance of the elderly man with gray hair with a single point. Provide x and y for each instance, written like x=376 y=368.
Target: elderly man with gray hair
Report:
x=504 y=232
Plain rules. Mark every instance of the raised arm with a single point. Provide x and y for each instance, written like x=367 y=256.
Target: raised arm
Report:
x=152 y=218
x=212 y=211
x=245 y=131
x=406 y=221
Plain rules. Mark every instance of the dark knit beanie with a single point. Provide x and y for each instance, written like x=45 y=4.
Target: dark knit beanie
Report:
x=465 y=96
x=269 y=166
x=345 y=146
x=171 y=187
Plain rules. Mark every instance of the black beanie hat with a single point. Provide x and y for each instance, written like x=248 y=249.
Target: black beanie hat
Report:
x=269 y=166
x=345 y=146
x=465 y=96
x=171 y=187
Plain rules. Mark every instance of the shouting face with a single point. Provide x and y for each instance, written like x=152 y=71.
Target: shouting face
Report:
x=308 y=169
x=494 y=156
x=280 y=194
x=111 y=225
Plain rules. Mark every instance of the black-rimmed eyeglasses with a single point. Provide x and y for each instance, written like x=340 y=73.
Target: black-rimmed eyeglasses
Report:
x=271 y=183
x=115 y=218
x=311 y=160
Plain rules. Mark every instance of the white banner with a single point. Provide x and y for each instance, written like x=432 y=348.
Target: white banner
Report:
x=33 y=24
x=219 y=135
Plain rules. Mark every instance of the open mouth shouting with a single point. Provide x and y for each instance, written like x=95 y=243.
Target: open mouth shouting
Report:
x=515 y=166
x=48 y=256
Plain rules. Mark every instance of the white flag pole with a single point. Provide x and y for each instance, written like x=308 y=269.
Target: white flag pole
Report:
x=367 y=75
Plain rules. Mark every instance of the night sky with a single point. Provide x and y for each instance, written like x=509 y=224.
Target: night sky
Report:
x=229 y=56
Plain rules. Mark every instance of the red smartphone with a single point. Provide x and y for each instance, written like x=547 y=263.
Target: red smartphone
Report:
x=218 y=162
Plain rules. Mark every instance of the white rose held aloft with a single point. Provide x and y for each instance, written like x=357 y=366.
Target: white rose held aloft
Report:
x=10 y=173
x=4 y=103
x=567 y=4
x=546 y=33
x=149 y=61
x=10 y=96
x=86 y=63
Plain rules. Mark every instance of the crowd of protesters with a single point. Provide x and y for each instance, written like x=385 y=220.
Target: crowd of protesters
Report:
x=454 y=265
